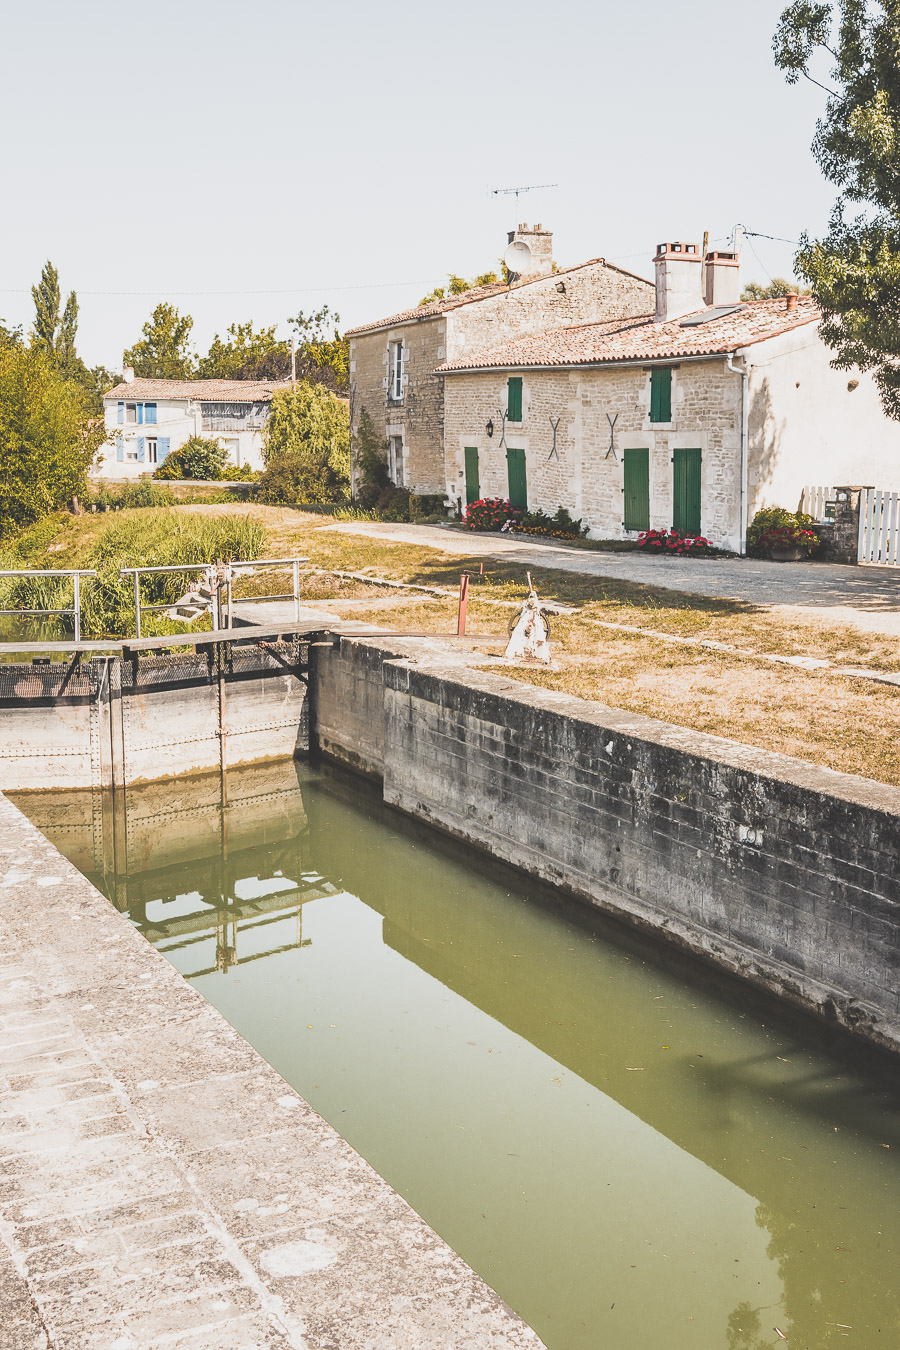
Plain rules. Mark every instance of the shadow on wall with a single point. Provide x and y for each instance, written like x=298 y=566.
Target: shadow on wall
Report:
x=764 y=433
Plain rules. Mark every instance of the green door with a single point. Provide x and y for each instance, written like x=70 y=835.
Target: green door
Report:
x=473 y=491
x=686 y=491
x=637 y=490
x=515 y=467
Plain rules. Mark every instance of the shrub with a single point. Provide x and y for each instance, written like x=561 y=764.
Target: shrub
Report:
x=370 y=457
x=558 y=526
x=774 y=527
x=199 y=457
x=673 y=542
x=143 y=493
x=491 y=513
x=290 y=477
x=309 y=427
x=425 y=505
x=393 y=503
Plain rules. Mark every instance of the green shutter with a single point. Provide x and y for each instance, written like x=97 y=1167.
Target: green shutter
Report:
x=473 y=489
x=518 y=488
x=514 y=398
x=637 y=490
x=660 y=396
x=686 y=491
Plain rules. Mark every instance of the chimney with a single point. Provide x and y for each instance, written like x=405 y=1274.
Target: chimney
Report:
x=678 y=271
x=540 y=241
x=128 y=374
x=723 y=279
x=791 y=300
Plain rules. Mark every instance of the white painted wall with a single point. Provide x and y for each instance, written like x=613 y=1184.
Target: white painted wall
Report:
x=177 y=419
x=806 y=426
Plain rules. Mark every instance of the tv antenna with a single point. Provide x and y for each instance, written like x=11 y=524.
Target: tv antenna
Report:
x=515 y=191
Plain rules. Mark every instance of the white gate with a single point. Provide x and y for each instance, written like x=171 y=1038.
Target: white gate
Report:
x=879 y=527
x=813 y=499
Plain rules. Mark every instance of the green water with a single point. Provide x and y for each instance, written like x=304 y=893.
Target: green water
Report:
x=632 y=1157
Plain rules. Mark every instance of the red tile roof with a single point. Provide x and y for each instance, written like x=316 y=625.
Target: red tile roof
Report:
x=217 y=391
x=642 y=339
x=480 y=293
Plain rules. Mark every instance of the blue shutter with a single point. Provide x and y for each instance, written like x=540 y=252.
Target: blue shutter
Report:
x=139 y=412
x=150 y=414
x=120 y=445
x=140 y=441
x=162 y=448
x=120 y=413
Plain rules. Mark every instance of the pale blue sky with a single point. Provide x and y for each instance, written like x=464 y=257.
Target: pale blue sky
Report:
x=295 y=154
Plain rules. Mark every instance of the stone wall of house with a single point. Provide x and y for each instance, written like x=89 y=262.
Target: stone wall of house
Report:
x=585 y=475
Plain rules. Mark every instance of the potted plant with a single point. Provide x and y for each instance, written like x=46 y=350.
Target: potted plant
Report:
x=783 y=536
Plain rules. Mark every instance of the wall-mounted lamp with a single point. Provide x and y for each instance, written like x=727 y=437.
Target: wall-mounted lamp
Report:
x=490 y=428
x=561 y=287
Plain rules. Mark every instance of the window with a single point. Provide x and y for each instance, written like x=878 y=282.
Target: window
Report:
x=396 y=371
x=514 y=398
x=395 y=460
x=137 y=413
x=131 y=412
x=150 y=414
x=151 y=449
x=660 y=395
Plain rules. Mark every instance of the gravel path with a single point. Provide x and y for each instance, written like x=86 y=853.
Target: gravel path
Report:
x=867 y=597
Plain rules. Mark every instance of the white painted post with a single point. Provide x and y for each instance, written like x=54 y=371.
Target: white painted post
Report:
x=137 y=604
x=295 y=567
x=77 y=605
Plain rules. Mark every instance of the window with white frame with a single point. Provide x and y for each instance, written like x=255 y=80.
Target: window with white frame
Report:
x=396 y=371
x=151 y=450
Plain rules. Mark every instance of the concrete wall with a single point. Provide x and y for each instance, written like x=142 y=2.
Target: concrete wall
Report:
x=778 y=870
x=583 y=476
x=808 y=426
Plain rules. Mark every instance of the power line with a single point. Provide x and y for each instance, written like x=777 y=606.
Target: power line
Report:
x=289 y=290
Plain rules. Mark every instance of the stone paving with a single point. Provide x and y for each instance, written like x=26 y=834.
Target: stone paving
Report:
x=867 y=597
x=161 y=1185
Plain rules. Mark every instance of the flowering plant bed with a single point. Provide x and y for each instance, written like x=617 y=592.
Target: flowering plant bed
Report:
x=672 y=542
x=791 y=540
x=490 y=513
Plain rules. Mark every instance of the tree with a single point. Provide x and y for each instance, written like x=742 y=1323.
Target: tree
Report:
x=48 y=435
x=854 y=271
x=320 y=358
x=371 y=464
x=246 y=354
x=46 y=297
x=307 y=446
x=777 y=287
x=163 y=353
x=457 y=285
x=199 y=457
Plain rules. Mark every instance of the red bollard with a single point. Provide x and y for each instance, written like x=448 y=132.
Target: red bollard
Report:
x=463 y=604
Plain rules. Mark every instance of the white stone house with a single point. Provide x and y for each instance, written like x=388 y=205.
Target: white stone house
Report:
x=148 y=419
x=694 y=415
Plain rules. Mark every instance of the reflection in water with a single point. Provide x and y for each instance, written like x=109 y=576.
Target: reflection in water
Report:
x=630 y=1157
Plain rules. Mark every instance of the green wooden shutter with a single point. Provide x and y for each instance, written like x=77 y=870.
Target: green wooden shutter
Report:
x=637 y=490
x=514 y=398
x=660 y=396
x=473 y=489
x=686 y=491
x=518 y=488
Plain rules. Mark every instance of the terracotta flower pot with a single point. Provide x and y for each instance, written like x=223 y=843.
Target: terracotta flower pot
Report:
x=793 y=553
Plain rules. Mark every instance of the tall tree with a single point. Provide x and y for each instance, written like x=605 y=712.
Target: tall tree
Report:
x=65 y=342
x=323 y=355
x=164 y=353
x=854 y=270
x=307 y=446
x=46 y=297
x=246 y=354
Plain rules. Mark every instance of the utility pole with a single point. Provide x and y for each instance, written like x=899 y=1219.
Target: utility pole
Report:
x=293 y=362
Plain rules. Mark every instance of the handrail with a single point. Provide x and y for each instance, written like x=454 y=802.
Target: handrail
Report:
x=76 y=573
x=263 y=563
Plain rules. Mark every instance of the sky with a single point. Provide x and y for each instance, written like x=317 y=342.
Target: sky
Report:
x=251 y=161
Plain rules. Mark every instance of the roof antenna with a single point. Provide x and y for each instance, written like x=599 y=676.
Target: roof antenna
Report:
x=514 y=192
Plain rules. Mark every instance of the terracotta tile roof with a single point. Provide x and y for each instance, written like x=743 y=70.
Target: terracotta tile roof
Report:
x=480 y=293
x=642 y=339
x=218 y=391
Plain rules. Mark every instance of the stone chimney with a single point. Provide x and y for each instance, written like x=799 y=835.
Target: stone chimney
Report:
x=723 y=279
x=540 y=241
x=128 y=374
x=678 y=271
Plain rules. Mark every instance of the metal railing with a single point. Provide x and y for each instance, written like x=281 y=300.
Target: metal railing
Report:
x=260 y=564
x=75 y=609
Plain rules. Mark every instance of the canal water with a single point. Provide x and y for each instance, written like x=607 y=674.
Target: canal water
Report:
x=632 y=1152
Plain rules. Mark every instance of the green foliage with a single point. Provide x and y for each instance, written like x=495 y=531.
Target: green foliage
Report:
x=777 y=287
x=457 y=285
x=199 y=457
x=307 y=441
x=143 y=493
x=776 y=518
x=854 y=271
x=321 y=358
x=370 y=463
x=46 y=297
x=164 y=352
x=561 y=525
x=48 y=436
x=246 y=354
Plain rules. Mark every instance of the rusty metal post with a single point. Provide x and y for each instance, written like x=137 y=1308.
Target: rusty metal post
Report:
x=463 y=604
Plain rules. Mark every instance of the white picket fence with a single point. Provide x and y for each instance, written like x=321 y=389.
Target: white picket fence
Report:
x=879 y=527
x=813 y=499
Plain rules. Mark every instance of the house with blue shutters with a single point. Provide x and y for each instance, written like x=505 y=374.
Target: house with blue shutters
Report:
x=148 y=419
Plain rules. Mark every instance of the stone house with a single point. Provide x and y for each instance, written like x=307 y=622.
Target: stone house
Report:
x=147 y=419
x=393 y=360
x=695 y=414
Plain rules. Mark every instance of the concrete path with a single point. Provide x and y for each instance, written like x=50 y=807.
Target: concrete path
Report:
x=161 y=1186
x=867 y=597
